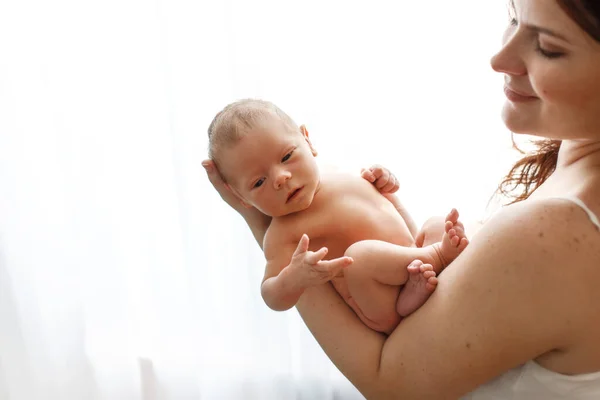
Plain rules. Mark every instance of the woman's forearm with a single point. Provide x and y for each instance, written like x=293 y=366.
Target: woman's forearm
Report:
x=258 y=223
x=354 y=348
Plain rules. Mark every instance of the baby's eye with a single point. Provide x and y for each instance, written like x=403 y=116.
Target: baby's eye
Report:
x=287 y=156
x=259 y=182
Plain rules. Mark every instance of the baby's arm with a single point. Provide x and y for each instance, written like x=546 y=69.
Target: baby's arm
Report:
x=410 y=222
x=282 y=287
x=279 y=289
x=387 y=184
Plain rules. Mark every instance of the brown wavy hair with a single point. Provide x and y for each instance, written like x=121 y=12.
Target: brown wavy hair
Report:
x=535 y=167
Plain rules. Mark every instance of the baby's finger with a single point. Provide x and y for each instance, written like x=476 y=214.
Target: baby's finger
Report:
x=383 y=179
x=389 y=187
x=302 y=246
x=315 y=257
x=377 y=171
x=368 y=175
x=396 y=184
x=334 y=265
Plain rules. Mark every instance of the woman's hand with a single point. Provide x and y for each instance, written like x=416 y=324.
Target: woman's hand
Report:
x=217 y=181
x=257 y=221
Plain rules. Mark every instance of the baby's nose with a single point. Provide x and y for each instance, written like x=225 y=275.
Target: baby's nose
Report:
x=281 y=178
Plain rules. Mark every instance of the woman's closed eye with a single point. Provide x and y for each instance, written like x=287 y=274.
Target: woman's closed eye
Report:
x=545 y=52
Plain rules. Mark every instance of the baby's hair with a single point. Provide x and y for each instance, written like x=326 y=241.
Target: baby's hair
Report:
x=237 y=118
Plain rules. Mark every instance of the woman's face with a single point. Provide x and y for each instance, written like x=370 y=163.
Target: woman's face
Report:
x=551 y=71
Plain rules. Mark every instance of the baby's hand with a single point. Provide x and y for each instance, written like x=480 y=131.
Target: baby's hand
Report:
x=309 y=269
x=382 y=178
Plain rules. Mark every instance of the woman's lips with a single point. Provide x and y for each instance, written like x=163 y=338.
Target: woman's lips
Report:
x=517 y=97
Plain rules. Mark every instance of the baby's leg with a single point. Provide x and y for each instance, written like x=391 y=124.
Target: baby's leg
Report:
x=434 y=229
x=431 y=232
x=380 y=269
x=375 y=277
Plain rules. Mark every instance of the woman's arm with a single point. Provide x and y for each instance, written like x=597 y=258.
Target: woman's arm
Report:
x=257 y=221
x=507 y=299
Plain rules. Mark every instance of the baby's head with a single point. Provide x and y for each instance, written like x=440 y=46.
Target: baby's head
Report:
x=264 y=157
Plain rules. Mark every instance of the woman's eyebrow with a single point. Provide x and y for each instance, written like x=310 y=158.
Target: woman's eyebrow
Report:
x=546 y=31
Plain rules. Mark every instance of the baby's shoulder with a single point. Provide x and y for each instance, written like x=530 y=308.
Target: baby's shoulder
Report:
x=278 y=236
x=343 y=181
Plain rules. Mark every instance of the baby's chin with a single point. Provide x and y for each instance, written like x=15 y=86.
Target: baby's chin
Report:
x=283 y=213
x=287 y=213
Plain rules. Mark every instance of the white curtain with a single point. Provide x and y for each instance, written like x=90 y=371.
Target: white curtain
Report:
x=122 y=274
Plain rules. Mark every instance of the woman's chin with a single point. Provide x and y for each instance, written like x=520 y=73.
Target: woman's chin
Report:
x=517 y=122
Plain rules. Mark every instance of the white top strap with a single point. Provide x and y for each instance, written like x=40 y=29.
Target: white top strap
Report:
x=585 y=208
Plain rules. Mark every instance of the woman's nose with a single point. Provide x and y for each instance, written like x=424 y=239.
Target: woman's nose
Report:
x=509 y=59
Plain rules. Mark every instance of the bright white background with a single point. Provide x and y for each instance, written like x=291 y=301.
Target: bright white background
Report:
x=122 y=275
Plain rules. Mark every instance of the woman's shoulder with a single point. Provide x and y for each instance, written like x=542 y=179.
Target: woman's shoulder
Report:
x=562 y=216
x=549 y=230
x=508 y=298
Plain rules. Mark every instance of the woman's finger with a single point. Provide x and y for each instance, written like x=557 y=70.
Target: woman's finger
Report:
x=217 y=181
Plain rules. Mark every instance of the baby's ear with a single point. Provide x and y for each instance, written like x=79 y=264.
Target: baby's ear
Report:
x=304 y=132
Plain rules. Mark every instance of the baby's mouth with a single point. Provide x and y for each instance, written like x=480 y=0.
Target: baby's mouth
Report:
x=293 y=194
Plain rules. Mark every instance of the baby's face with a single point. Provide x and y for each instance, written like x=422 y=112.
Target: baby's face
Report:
x=272 y=170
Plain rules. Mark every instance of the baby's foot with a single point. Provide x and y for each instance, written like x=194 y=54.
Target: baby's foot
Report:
x=417 y=289
x=454 y=240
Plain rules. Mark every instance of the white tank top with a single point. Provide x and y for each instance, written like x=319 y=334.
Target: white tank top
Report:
x=531 y=381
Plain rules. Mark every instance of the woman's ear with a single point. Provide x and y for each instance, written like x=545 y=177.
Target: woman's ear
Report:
x=304 y=132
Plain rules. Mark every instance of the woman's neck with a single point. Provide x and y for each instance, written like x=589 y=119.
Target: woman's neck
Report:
x=577 y=170
x=578 y=153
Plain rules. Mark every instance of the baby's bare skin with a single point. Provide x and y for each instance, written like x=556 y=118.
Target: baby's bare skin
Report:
x=345 y=210
x=364 y=241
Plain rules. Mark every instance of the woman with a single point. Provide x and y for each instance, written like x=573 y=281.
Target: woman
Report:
x=517 y=315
